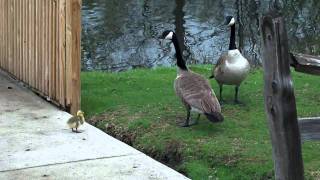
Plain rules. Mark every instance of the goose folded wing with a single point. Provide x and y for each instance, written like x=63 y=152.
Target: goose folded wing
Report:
x=197 y=92
x=219 y=64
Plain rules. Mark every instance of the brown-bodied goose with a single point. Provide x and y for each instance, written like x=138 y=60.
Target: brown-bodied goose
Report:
x=193 y=89
x=231 y=68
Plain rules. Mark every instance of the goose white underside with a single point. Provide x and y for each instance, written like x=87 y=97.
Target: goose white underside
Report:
x=193 y=109
x=235 y=69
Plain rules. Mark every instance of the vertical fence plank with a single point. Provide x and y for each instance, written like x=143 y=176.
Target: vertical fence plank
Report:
x=73 y=54
x=36 y=44
x=25 y=38
x=1 y=32
x=21 y=63
x=51 y=49
x=33 y=42
x=20 y=40
x=13 y=50
x=68 y=53
x=57 y=53
x=41 y=68
x=42 y=60
x=54 y=48
x=62 y=52
x=30 y=40
x=279 y=100
x=6 y=56
x=45 y=46
x=17 y=35
x=39 y=25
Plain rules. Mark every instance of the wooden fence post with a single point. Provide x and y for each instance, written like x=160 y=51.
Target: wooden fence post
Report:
x=279 y=99
x=73 y=53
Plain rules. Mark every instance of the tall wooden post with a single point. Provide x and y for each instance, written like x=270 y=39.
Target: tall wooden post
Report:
x=279 y=100
x=73 y=55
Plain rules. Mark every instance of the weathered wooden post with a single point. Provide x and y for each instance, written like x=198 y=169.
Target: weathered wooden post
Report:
x=279 y=99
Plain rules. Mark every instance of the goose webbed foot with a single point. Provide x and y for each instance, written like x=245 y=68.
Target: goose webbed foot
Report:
x=221 y=102
x=184 y=124
x=187 y=122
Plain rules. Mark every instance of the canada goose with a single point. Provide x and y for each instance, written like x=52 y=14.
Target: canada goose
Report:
x=231 y=68
x=193 y=89
x=75 y=121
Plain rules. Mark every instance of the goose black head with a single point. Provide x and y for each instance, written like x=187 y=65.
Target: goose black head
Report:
x=168 y=34
x=230 y=21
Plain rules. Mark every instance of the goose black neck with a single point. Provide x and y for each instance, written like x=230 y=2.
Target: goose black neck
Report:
x=180 y=61
x=232 y=44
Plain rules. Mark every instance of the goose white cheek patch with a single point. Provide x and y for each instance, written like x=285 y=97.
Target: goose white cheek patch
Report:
x=232 y=21
x=169 y=36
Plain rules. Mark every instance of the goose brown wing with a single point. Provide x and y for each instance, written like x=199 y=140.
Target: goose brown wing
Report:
x=221 y=61
x=196 y=92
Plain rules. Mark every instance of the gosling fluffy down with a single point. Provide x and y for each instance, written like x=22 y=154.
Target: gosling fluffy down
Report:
x=76 y=121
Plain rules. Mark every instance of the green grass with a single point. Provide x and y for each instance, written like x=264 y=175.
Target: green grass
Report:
x=143 y=102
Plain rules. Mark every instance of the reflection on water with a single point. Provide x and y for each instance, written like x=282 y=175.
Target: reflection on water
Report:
x=119 y=34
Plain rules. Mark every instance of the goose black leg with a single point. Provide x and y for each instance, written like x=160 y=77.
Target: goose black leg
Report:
x=236 y=95
x=186 y=123
x=198 y=117
x=220 y=87
x=195 y=121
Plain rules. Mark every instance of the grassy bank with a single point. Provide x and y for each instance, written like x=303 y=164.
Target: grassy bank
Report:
x=140 y=108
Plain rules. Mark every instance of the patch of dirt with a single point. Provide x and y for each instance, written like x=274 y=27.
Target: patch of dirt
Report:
x=227 y=160
x=230 y=160
x=170 y=156
x=120 y=133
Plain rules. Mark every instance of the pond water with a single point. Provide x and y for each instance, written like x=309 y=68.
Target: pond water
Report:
x=118 y=35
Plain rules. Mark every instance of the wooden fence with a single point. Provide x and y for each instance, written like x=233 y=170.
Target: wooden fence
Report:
x=40 y=45
x=279 y=96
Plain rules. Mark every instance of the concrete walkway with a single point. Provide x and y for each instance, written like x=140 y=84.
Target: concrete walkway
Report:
x=35 y=143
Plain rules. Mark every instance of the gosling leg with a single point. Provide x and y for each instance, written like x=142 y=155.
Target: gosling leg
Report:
x=77 y=130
